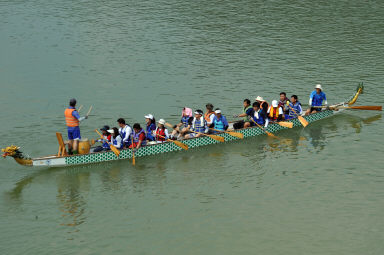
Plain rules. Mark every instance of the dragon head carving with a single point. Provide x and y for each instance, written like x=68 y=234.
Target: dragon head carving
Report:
x=11 y=151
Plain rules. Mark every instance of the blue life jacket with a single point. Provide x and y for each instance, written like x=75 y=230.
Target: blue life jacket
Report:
x=219 y=124
x=197 y=126
x=184 y=120
x=115 y=142
x=123 y=134
x=261 y=119
x=317 y=99
x=297 y=108
x=151 y=128
x=136 y=137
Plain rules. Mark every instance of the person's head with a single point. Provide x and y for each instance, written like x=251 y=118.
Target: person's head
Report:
x=294 y=99
x=198 y=114
x=275 y=103
x=259 y=99
x=149 y=119
x=318 y=88
x=72 y=102
x=121 y=122
x=104 y=130
x=247 y=102
x=209 y=107
x=218 y=112
x=186 y=112
x=161 y=123
x=283 y=96
x=136 y=127
x=256 y=106
x=115 y=132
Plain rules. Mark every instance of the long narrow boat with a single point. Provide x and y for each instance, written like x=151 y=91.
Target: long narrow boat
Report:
x=97 y=157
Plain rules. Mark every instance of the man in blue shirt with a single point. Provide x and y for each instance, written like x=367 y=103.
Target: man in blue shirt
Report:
x=219 y=121
x=316 y=99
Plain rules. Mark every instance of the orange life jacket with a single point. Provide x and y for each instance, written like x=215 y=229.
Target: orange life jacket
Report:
x=273 y=113
x=207 y=116
x=70 y=119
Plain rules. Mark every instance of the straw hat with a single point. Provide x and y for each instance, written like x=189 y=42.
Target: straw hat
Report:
x=259 y=98
x=318 y=86
x=161 y=121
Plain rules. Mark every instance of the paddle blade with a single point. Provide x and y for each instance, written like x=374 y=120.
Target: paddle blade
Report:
x=367 y=107
x=235 y=134
x=115 y=150
x=217 y=138
x=271 y=135
x=181 y=145
x=133 y=159
x=286 y=124
x=169 y=125
x=303 y=121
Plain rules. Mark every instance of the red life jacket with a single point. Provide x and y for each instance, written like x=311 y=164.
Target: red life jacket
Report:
x=160 y=132
x=273 y=113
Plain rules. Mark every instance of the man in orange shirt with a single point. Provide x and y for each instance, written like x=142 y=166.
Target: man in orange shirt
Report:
x=72 y=119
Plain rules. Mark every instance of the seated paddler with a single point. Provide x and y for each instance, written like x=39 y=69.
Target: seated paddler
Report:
x=219 y=122
x=104 y=142
x=73 y=119
x=199 y=125
x=183 y=125
x=139 y=137
x=284 y=102
x=257 y=115
x=150 y=127
x=210 y=114
x=295 y=108
x=161 y=132
x=125 y=131
x=263 y=104
x=316 y=99
x=275 y=113
x=116 y=138
x=247 y=109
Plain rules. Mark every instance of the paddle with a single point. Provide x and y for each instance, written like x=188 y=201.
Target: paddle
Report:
x=113 y=148
x=268 y=133
x=89 y=111
x=285 y=124
x=214 y=137
x=235 y=134
x=133 y=152
x=180 y=144
x=78 y=110
x=303 y=121
x=362 y=107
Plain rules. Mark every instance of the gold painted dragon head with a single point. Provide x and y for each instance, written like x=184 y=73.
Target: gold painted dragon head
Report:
x=10 y=151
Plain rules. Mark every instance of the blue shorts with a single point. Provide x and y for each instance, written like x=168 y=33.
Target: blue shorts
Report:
x=74 y=133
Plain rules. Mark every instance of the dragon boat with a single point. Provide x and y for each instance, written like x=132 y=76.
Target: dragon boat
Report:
x=61 y=159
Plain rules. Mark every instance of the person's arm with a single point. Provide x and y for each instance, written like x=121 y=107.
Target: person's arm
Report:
x=325 y=98
x=310 y=98
x=300 y=110
x=225 y=122
x=211 y=118
x=77 y=116
x=118 y=142
x=166 y=133
x=141 y=139
x=206 y=127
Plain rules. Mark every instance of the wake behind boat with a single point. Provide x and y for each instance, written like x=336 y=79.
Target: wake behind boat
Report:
x=61 y=159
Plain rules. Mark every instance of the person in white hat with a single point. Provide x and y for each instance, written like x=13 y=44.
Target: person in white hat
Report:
x=116 y=138
x=161 y=132
x=199 y=124
x=263 y=104
x=275 y=113
x=219 y=121
x=150 y=126
x=316 y=99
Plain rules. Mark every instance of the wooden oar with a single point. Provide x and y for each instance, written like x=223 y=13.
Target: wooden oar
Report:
x=78 y=110
x=180 y=144
x=133 y=152
x=113 y=148
x=214 y=137
x=285 y=124
x=362 y=107
x=303 y=121
x=268 y=133
x=232 y=133
x=89 y=111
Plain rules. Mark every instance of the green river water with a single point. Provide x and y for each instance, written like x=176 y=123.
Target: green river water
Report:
x=318 y=190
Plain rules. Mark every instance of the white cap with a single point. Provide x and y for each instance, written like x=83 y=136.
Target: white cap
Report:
x=218 y=111
x=161 y=121
x=259 y=98
x=274 y=103
x=318 y=86
x=149 y=116
x=110 y=131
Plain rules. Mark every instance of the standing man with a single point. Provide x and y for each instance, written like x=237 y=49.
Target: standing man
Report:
x=316 y=99
x=72 y=119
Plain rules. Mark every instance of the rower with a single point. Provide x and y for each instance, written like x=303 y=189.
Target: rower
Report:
x=185 y=122
x=263 y=104
x=316 y=99
x=284 y=102
x=139 y=138
x=116 y=138
x=73 y=119
x=246 y=113
x=275 y=113
x=258 y=115
x=150 y=127
x=199 y=124
x=210 y=114
x=107 y=137
x=219 y=121
x=161 y=132
x=125 y=131
x=296 y=106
